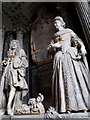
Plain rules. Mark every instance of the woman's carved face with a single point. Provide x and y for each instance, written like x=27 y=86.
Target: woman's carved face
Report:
x=57 y=24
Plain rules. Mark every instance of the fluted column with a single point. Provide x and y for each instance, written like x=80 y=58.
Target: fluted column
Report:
x=83 y=10
x=1 y=40
x=7 y=37
x=1 y=44
x=11 y=36
x=20 y=37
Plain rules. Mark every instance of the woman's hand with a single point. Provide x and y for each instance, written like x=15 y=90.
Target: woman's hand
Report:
x=56 y=45
x=83 y=51
x=50 y=46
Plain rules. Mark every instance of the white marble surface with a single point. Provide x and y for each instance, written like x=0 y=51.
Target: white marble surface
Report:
x=71 y=116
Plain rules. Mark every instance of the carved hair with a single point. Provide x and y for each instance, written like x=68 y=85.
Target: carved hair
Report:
x=41 y=96
x=60 y=19
x=18 y=46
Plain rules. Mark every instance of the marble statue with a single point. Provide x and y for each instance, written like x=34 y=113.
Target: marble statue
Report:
x=34 y=106
x=40 y=106
x=51 y=114
x=13 y=79
x=71 y=76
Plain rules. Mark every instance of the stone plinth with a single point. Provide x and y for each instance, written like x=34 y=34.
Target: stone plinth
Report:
x=22 y=117
x=71 y=116
x=76 y=116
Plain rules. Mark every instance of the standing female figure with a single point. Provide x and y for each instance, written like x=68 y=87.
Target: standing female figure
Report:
x=70 y=81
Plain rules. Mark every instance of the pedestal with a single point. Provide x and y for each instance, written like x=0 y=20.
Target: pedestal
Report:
x=70 y=116
x=23 y=117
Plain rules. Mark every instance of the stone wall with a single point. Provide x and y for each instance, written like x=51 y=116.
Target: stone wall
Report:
x=35 y=42
x=42 y=31
x=41 y=36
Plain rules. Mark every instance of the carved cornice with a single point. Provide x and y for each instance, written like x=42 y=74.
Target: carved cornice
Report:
x=17 y=28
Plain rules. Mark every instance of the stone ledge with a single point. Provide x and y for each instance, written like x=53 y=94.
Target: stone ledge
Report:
x=71 y=116
x=76 y=115
x=22 y=117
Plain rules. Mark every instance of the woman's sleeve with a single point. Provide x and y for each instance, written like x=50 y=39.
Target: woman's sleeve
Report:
x=80 y=43
x=50 y=49
x=57 y=45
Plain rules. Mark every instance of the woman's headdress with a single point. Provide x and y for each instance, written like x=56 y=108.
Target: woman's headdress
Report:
x=60 y=19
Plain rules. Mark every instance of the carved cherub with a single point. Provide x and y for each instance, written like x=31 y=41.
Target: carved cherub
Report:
x=36 y=106
x=39 y=104
x=32 y=104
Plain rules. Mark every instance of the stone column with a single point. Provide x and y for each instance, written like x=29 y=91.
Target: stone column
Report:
x=1 y=40
x=7 y=37
x=11 y=36
x=1 y=44
x=20 y=37
x=83 y=10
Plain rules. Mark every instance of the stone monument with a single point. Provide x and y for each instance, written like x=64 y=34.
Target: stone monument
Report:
x=34 y=107
x=71 y=75
x=13 y=80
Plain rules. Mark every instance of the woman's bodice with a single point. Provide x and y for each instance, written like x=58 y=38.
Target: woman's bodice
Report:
x=65 y=40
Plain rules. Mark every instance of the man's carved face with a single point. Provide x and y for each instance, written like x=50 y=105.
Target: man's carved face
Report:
x=14 y=45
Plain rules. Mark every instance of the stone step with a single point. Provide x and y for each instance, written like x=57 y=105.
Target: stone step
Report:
x=23 y=117
x=71 y=116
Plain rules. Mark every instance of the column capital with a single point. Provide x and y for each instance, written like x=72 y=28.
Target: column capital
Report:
x=5 y=29
x=19 y=31
x=19 y=36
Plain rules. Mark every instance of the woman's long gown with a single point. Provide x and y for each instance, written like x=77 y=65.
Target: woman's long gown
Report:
x=70 y=81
